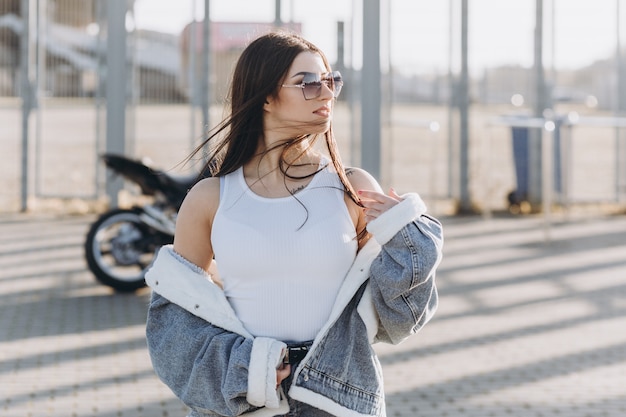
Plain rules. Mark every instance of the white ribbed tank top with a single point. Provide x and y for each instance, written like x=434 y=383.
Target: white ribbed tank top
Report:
x=281 y=269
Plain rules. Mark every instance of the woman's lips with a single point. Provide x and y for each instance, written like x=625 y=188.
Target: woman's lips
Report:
x=323 y=111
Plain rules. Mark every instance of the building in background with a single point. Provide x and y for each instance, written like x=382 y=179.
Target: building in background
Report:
x=228 y=39
x=71 y=51
x=70 y=45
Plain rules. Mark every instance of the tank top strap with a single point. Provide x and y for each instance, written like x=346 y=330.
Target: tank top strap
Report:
x=230 y=187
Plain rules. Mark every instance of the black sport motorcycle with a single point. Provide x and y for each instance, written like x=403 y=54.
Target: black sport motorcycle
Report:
x=121 y=244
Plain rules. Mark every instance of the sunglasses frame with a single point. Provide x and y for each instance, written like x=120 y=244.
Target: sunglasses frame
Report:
x=311 y=80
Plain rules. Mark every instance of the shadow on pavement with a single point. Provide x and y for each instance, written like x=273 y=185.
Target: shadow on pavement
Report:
x=525 y=327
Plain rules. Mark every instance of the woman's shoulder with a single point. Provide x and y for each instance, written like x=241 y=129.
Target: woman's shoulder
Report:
x=206 y=186
x=194 y=222
x=203 y=196
x=360 y=179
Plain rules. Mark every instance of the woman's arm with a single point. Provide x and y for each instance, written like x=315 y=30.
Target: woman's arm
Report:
x=194 y=222
x=402 y=276
x=207 y=366
x=361 y=181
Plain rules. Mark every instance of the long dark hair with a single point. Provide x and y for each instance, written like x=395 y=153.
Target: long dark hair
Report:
x=258 y=74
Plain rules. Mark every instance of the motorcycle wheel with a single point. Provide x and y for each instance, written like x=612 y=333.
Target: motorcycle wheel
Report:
x=120 y=247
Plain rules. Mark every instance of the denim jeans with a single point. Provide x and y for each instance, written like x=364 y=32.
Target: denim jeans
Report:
x=297 y=408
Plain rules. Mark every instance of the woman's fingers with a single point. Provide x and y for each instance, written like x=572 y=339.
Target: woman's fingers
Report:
x=282 y=372
x=376 y=203
x=393 y=194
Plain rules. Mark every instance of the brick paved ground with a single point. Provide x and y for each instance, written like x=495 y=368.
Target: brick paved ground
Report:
x=527 y=327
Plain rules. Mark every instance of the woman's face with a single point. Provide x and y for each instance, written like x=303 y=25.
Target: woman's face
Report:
x=290 y=112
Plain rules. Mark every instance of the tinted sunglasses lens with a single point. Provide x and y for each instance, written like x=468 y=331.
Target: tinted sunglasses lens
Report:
x=337 y=83
x=312 y=90
x=312 y=86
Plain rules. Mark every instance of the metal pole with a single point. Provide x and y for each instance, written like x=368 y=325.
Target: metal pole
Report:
x=205 y=89
x=620 y=108
x=278 y=21
x=371 y=89
x=465 y=204
x=535 y=171
x=116 y=90
x=541 y=98
x=132 y=83
x=206 y=64
x=621 y=65
x=191 y=73
x=352 y=94
x=387 y=98
x=553 y=74
x=451 y=99
x=27 y=97
x=341 y=47
x=100 y=95
x=38 y=50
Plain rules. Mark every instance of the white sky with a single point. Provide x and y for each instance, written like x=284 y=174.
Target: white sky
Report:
x=500 y=31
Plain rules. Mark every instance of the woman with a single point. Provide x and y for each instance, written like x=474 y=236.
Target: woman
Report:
x=315 y=262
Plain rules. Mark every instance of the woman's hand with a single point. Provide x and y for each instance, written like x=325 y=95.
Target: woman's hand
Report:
x=376 y=203
x=282 y=372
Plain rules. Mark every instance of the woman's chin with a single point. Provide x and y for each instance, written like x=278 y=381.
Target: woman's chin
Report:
x=321 y=126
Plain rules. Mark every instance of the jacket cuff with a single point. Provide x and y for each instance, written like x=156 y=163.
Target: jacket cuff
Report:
x=265 y=357
x=393 y=220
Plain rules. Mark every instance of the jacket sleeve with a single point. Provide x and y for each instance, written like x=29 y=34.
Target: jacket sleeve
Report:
x=208 y=368
x=402 y=276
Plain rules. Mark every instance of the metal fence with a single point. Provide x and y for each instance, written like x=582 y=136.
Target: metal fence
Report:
x=53 y=65
x=55 y=56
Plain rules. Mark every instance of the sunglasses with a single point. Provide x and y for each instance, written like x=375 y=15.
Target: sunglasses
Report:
x=311 y=84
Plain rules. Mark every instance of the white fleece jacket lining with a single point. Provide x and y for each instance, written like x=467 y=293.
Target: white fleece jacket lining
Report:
x=264 y=359
x=306 y=396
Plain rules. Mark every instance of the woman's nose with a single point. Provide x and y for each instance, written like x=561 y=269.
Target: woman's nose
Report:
x=328 y=90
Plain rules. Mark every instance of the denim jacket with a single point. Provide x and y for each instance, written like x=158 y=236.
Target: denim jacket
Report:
x=201 y=350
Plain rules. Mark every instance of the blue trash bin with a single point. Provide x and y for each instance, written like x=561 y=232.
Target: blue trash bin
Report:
x=521 y=144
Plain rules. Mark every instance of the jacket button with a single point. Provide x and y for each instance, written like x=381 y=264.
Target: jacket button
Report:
x=197 y=306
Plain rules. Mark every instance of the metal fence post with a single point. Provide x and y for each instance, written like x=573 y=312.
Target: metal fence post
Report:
x=26 y=91
x=206 y=65
x=542 y=101
x=371 y=89
x=116 y=72
x=620 y=110
x=465 y=203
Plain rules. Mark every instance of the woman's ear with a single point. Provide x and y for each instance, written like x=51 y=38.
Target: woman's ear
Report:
x=268 y=104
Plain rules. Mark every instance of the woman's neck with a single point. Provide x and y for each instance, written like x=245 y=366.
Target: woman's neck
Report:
x=272 y=154
x=263 y=172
